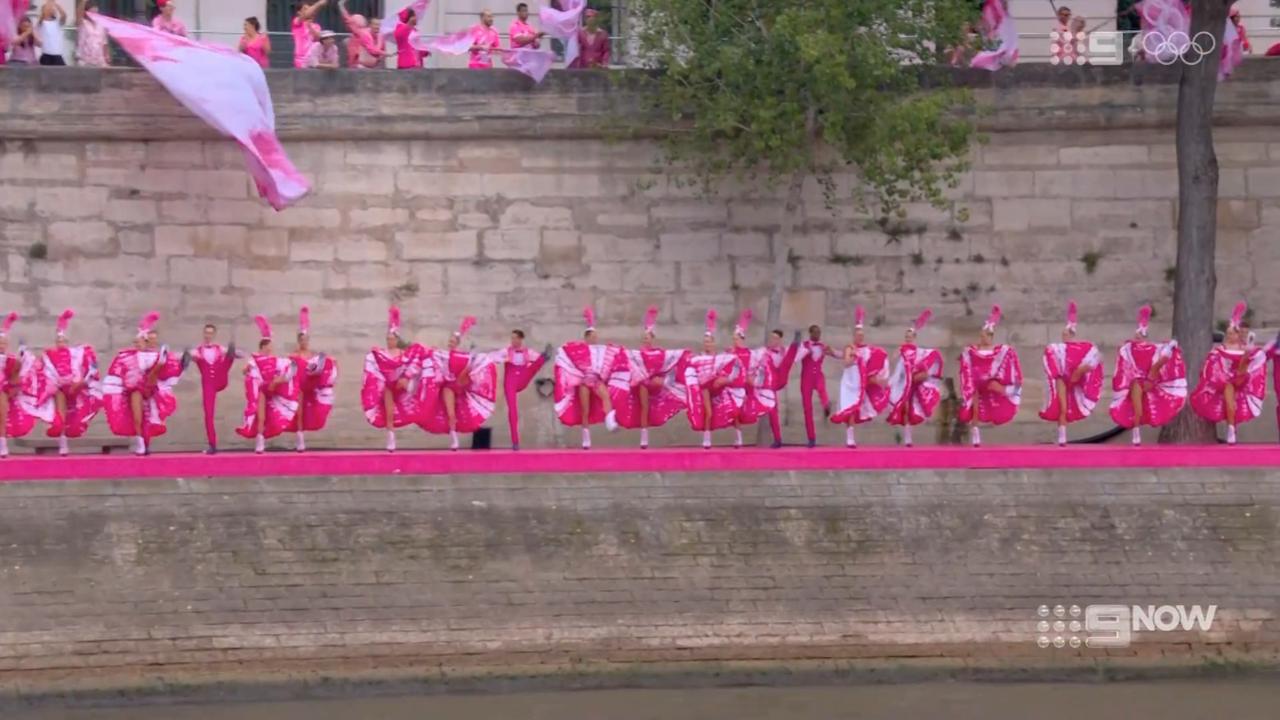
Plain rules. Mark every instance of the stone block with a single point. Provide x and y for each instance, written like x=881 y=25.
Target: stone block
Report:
x=760 y=215
x=377 y=217
x=1263 y=182
x=131 y=212
x=694 y=246
x=1017 y=155
x=706 y=277
x=613 y=248
x=370 y=181
x=653 y=277
x=268 y=243
x=755 y=275
x=560 y=254
x=457 y=245
x=1155 y=214
x=61 y=203
x=621 y=219
x=296 y=280
x=136 y=242
x=67 y=239
x=201 y=240
x=472 y=276
x=691 y=213
x=1003 y=183
x=523 y=215
x=801 y=308
x=16 y=201
x=475 y=220
x=38 y=166
x=511 y=244
x=1028 y=213
x=360 y=249
x=198 y=272
x=372 y=277
x=1104 y=155
x=746 y=244
x=312 y=251
x=378 y=153
x=305 y=217
x=810 y=246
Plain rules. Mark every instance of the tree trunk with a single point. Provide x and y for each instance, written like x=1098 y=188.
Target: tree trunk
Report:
x=1196 y=280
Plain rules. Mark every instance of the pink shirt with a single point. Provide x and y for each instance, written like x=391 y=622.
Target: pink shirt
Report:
x=23 y=52
x=593 y=49
x=487 y=40
x=523 y=34
x=173 y=27
x=319 y=54
x=407 y=56
x=257 y=49
x=303 y=38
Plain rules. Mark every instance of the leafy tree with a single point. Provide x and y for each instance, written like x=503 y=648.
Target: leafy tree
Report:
x=1195 y=279
x=780 y=92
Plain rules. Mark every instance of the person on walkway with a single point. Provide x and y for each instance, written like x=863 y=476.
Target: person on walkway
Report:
x=270 y=390
x=214 y=363
x=167 y=21
x=714 y=386
x=138 y=391
x=584 y=373
x=594 y=47
x=990 y=381
x=52 y=30
x=1150 y=384
x=915 y=385
x=305 y=30
x=255 y=43
x=316 y=374
x=485 y=40
x=323 y=55
x=459 y=388
x=389 y=394
x=521 y=34
x=72 y=372
x=654 y=375
x=813 y=380
x=92 y=49
x=1233 y=380
x=366 y=48
x=520 y=366
x=864 y=386
x=780 y=362
x=1073 y=371
x=25 y=393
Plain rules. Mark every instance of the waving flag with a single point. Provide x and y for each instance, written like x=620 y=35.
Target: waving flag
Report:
x=534 y=63
x=392 y=17
x=564 y=25
x=10 y=12
x=224 y=88
x=456 y=43
x=1000 y=27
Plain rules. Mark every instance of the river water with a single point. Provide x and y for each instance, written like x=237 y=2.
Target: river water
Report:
x=1180 y=700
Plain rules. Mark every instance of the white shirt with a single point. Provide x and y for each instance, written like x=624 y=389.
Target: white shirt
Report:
x=51 y=40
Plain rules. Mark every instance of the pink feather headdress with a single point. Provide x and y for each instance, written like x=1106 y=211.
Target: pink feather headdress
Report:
x=744 y=322
x=8 y=324
x=651 y=319
x=148 y=323
x=859 y=317
x=64 y=320
x=922 y=320
x=1237 y=315
x=467 y=323
x=1071 y=315
x=993 y=319
x=1144 y=319
x=589 y=317
x=711 y=323
x=304 y=321
x=264 y=326
x=393 y=320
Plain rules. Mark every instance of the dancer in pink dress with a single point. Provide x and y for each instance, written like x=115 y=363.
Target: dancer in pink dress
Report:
x=1233 y=381
x=459 y=388
x=316 y=375
x=714 y=386
x=391 y=375
x=780 y=362
x=1150 y=384
x=25 y=392
x=584 y=379
x=214 y=363
x=759 y=398
x=270 y=391
x=915 y=385
x=72 y=372
x=813 y=380
x=655 y=376
x=1273 y=352
x=990 y=381
x=520 y=366
x=1073 y=369
x=137 y=393
x=864 y=387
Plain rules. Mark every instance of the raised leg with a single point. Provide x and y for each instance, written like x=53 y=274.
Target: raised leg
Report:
x=603 y=393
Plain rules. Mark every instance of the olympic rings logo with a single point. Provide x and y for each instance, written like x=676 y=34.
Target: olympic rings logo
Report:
x=1178 y=46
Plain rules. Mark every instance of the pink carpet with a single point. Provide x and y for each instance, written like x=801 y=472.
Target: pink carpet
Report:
x=439 y=462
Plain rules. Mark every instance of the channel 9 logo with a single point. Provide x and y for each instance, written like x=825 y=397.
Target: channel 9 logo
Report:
x=1113 y=626
x=1100 y=47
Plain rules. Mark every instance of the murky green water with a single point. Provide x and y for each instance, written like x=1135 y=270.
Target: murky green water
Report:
x=1184 y=700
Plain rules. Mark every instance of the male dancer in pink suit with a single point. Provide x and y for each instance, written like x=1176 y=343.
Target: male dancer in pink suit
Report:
x=812 y=379
x=214 y=363
x=520 y=366
x=780 y=361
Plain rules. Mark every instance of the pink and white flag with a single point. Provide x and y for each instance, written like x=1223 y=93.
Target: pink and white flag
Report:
x=564 y=25
x=10 y=12
x=999 y=27
x=1232 y=51
x=227 y=90
x=534 y=63
x=392 y=17
x=458 y=43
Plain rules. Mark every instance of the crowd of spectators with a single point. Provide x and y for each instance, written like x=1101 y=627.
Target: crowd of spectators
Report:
x=40 y=39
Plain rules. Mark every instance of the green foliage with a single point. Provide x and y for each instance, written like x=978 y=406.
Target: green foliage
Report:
x=772 y=90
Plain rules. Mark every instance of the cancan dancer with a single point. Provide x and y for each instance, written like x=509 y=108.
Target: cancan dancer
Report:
x=1073 y=369
x=214 y=363
x=584 y=373
x=138 y=391
x=713 y=386
x=1150 y=384
x=270 y=392
x=459 y=388
x=389 y=394
x=72 y=373
x=759 y=399
x=990 y=381
x=316 y=374
x=25 y=392
x=780 y=362
x=1233 y=381
x=864 y=386
x=914 y=386
x=813 y=380
x=655 y=379
x=520 y=366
